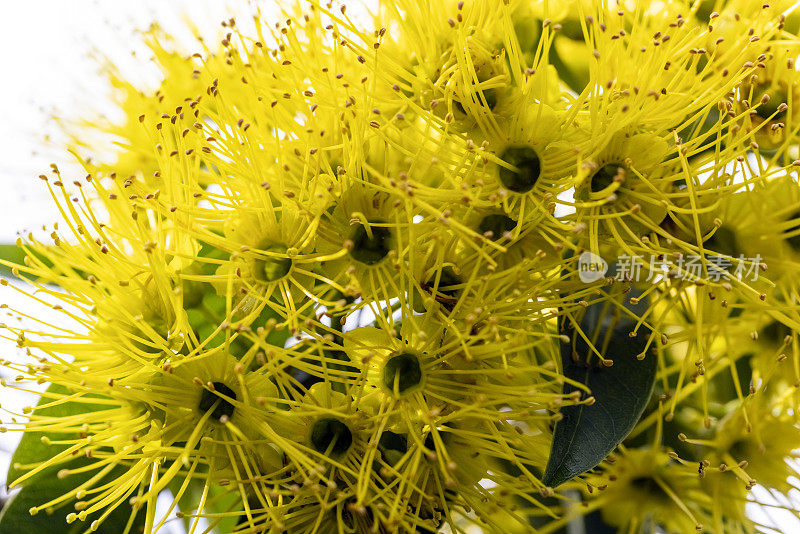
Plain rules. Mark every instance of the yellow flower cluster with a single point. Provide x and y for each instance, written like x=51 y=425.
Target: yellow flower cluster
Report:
x=334 y=277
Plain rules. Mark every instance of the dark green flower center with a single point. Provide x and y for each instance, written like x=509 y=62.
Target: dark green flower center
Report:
x=430 y=442
x=272 y=268
x=143 y=339
x=211 y=398
x=605 y=176
x=527 y=161
x=403 y=369
x=723 y=242
x=648 y=485
x=776 y=331
x=331 y=436
x=393 y=446
x=768 y=109
x=741 y=449
x=370 y=249
x=489 y=94
x=497 y=224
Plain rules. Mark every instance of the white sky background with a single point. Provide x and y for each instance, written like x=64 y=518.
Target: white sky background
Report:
x=47 y=70
x=45 y=54
x=45 y=48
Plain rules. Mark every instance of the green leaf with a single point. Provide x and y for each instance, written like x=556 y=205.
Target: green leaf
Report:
x=574 y=78
x=587 y=434
x=220 y=501
x=11 y=253
x=16 y=518
x=45 y=485
x=15 y=254
x=31 y=450
x=189 y=500
x=211 y=312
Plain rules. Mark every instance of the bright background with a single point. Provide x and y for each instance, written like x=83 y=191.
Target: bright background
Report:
x=48 y=51
x=46 y=54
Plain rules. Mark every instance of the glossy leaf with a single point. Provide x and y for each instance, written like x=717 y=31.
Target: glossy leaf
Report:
x=16 y=518
x=45 y=485
x=587 y=434
x=31 y=449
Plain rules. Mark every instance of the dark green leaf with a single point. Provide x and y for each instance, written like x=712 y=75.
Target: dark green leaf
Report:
x=45 y=485
x=31 y=450
x=16 y=518
x=586 y=434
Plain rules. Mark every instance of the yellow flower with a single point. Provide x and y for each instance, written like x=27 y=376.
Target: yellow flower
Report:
x=364 y=240
x=272 y=261
x=320 y=285
x=624 y=189
x=753 y=437
x=768 y=100
x=645 y=489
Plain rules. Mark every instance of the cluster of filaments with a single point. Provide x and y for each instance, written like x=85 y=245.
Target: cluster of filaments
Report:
x=332 y=264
